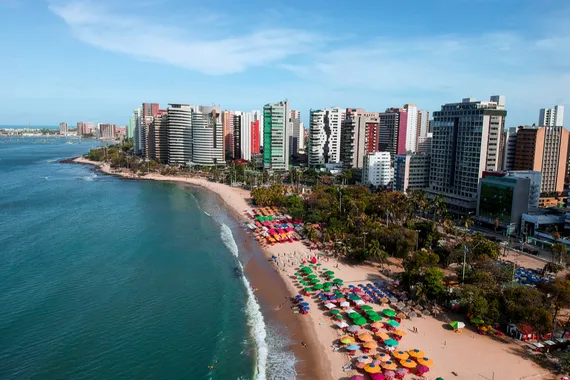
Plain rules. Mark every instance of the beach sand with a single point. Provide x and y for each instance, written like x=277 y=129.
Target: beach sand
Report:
x=463 y=356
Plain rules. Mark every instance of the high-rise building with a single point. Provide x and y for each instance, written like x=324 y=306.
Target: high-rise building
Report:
x=324 y=136
x=146 y=121
x=424 y=143
x=359 y=135
x=509 y=147
x=466 y=141
x=150 y=109
x=179 y=126
x=207 y=136
x=393 y=131
x=107 y=131
x=82 y=128
x=412 y=127
x=377 y=169
x=543 y=149
x=255 y=137
x=228 y=126
x=551 y=117
x=423 y=128
x=237 y=134
x=258 y=116
x=276 y=136
x=120 y=133
x=411 y=172
x=158 y=137
x=139 y=135
x=296 y=129
x=247 y=130
x=63 y=128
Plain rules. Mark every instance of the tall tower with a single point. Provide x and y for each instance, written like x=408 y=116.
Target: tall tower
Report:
x=276 y=136
x=411 y=127
x=324 y=136
x=179 y=134
x=551 y=117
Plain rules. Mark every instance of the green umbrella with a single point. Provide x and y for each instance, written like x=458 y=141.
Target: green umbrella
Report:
x=319 y=264
x=366 y=307
x=477 y=321
x=308 y=289
x=359 y=321
x=371 y=312
x=439 y=378
x=327 y=289
x=354 y=298
x=328 y=284
x=312 y=265
x=391 y=342
x=337 y=280
x=354 y=315
x=457 y=325
x=335 y=311
x=315 y=281
x=393 y=323
x=311 y=276
x=303 y=282
x=338 y=317
x=330 y=276
x=318 y=286
x=375 y=318
x=389 y=312
x=329 y=272
x=298 y=274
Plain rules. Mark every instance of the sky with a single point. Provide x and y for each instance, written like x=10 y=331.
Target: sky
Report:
x=75 y=60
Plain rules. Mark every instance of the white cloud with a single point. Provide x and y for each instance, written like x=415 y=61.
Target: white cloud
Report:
x=96 y=25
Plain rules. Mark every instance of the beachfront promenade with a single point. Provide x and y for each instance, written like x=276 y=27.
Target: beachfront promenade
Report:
x=467 y=354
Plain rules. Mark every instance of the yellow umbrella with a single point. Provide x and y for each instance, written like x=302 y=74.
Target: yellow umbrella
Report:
x=347 y=339
x=402 y=355
x=365 y=337
x=389 y=365
x=401 y=316
x=415 y=353
x=382 y=357
x=377 y=325
x=408 y=363
x=425 y=361
x=370 y=345
x=382 y=335
x=399 y=332
x=371 y=368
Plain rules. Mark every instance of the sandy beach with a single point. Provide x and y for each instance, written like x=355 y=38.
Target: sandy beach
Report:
x=468 y=355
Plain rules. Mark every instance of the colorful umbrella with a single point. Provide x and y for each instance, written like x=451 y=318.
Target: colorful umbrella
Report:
x=338 y=317
x=371 y=368
x=338 y=281
x=375 y=318
x=341 y=325
x=308 y=289
x=389 y=365
x=347 y=340
x=421 y=369
x=408 y=363
x=415 y=353
x=389 y=312
x=365 y=337
x=344 y=304
x=328 y=272
x=370 y=345
x=318 y=286
x=364 y=359
x=382 y=357
x=402 y=355
x=377 y=325
x=328 y=285
x=377 y=376
x=399 y=332
x=457 y=325
x=402 y=372
x=389 y=374
x=354 y=297
x=382 y=335
x=366 y=307
x=391 y=342
x=359 y=321
x=335 y=312
x=369 y=312
x=477 y=321
x=354 y=315
x=425 y=361
x=353 y=347
x=393 y=323
x=353 y=328
x=314 y=281
x=357 y=377
x=311 y=276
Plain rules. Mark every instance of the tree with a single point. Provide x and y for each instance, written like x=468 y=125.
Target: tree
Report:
x=295 y=206
x=311 y=233
x=377 y=252
x=558 y=295
x=559 y=252
x=432 y=285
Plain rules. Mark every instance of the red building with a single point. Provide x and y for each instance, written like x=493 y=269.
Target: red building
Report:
x=255 y=136
x=150 y=109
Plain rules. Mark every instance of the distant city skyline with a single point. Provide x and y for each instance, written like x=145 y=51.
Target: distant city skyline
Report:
x=86 y=60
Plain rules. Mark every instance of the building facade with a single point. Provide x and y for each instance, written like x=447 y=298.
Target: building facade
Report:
x=276 y=136
x=150 y=109
x=466 y=141
x=411 y=172
x=82 y=128
x=107 y=131
x=179 y=134
x=297 y=129
x=228 y=126
x=412 y=127
x=63 y=130
x=358 y=129
x=509 y=147
x=207 y=136
x=551 y=117
x=393 y=131
x=377 y=169
x=324 y=136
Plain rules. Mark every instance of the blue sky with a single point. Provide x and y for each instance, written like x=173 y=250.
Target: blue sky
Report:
x=96 y=60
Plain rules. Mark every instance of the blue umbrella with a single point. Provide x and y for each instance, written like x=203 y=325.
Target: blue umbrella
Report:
x=353 y=347
x=351 y=286
x=304 y=304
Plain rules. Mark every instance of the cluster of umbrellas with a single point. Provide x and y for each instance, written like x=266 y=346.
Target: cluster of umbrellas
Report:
x=300 y=305
x=384 y=366
x=311 y=282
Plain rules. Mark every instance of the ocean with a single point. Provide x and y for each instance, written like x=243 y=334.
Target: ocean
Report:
x=104 y=278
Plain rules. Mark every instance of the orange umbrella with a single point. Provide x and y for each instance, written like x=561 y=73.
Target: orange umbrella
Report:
x=382 y=335
x=425 y=361
x=347 y=339
x=389 y=365
x=408 y=363
x=382 y=357
x=377 y=325
x=402 y=355
x=415 y=353
x=370 y=345
x=365 y=337
x=399 y=332
x=371 y=368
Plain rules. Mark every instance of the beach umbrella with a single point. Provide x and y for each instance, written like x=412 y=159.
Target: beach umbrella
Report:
x=408 y=363
x=376 y=325
x=353 y=347
x=304 y=304
x=402 y=355
x=364 y=359
x=389 y=365
x=457 y=325
x=439 y=378
x=399 y=332
x=344 y=304
x=335 y=311
x=382 y=335
x=421 y=369
x=330 y=305
x=377 y=376
x=314 y=281
x=366 y=307
x=477 y=321
x=389 y=374
x=318 y=286
x=383 y=357
x=338 y=317
x=369 y=312
x=354 y=297
x=359 y=302
x=329 y=272
x=326 y=289
x=371 y=368
x=375 y=318
x=359 y=321
x=353 y=328
x=347 y=340
x=357 y=377
x=391 y=342
x=425 y=361
x=328 y=284
x=354 y=315
x=341 y=325
x=350 y=311
x=311 y=276
x=389 y=312
x=338 y=281
x=393 y=323
x=308 y=289
x=402 y=372
x=303 y=282
x=370 y=345
x=415 y=353
x=365 y=337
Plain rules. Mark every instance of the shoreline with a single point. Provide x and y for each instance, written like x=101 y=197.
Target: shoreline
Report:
x=464 y=356
x=311 y=363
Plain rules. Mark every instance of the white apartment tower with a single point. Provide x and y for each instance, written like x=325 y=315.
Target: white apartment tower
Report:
x=377 y=169
x=179 y=134
x=551 y=117
x=324 y=136
x=207 y=136
x=411 y=127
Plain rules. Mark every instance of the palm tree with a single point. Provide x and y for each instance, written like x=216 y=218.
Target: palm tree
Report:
x=311 y=233
x=438 y=206
x=377 y=253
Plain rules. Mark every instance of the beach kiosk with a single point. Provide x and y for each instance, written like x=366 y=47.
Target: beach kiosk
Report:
x=521 y=332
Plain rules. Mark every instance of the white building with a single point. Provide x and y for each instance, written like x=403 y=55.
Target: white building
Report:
x=207 y=136
x=324 y=136
x=377 y=169
x=138 y=133
x=535 y=185
x=411 y=127
x=245 y=135
x=551 y=117
x=179 y=134
x=509 y=148
x=63 y=130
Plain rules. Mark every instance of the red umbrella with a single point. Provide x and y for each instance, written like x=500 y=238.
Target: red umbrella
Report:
x=357 y=377
x=377 y=376
x=421 y=369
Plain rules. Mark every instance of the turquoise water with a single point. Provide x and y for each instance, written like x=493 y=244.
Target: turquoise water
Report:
x=103 y=278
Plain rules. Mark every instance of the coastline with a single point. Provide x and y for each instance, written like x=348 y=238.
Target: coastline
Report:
x=465 y=356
